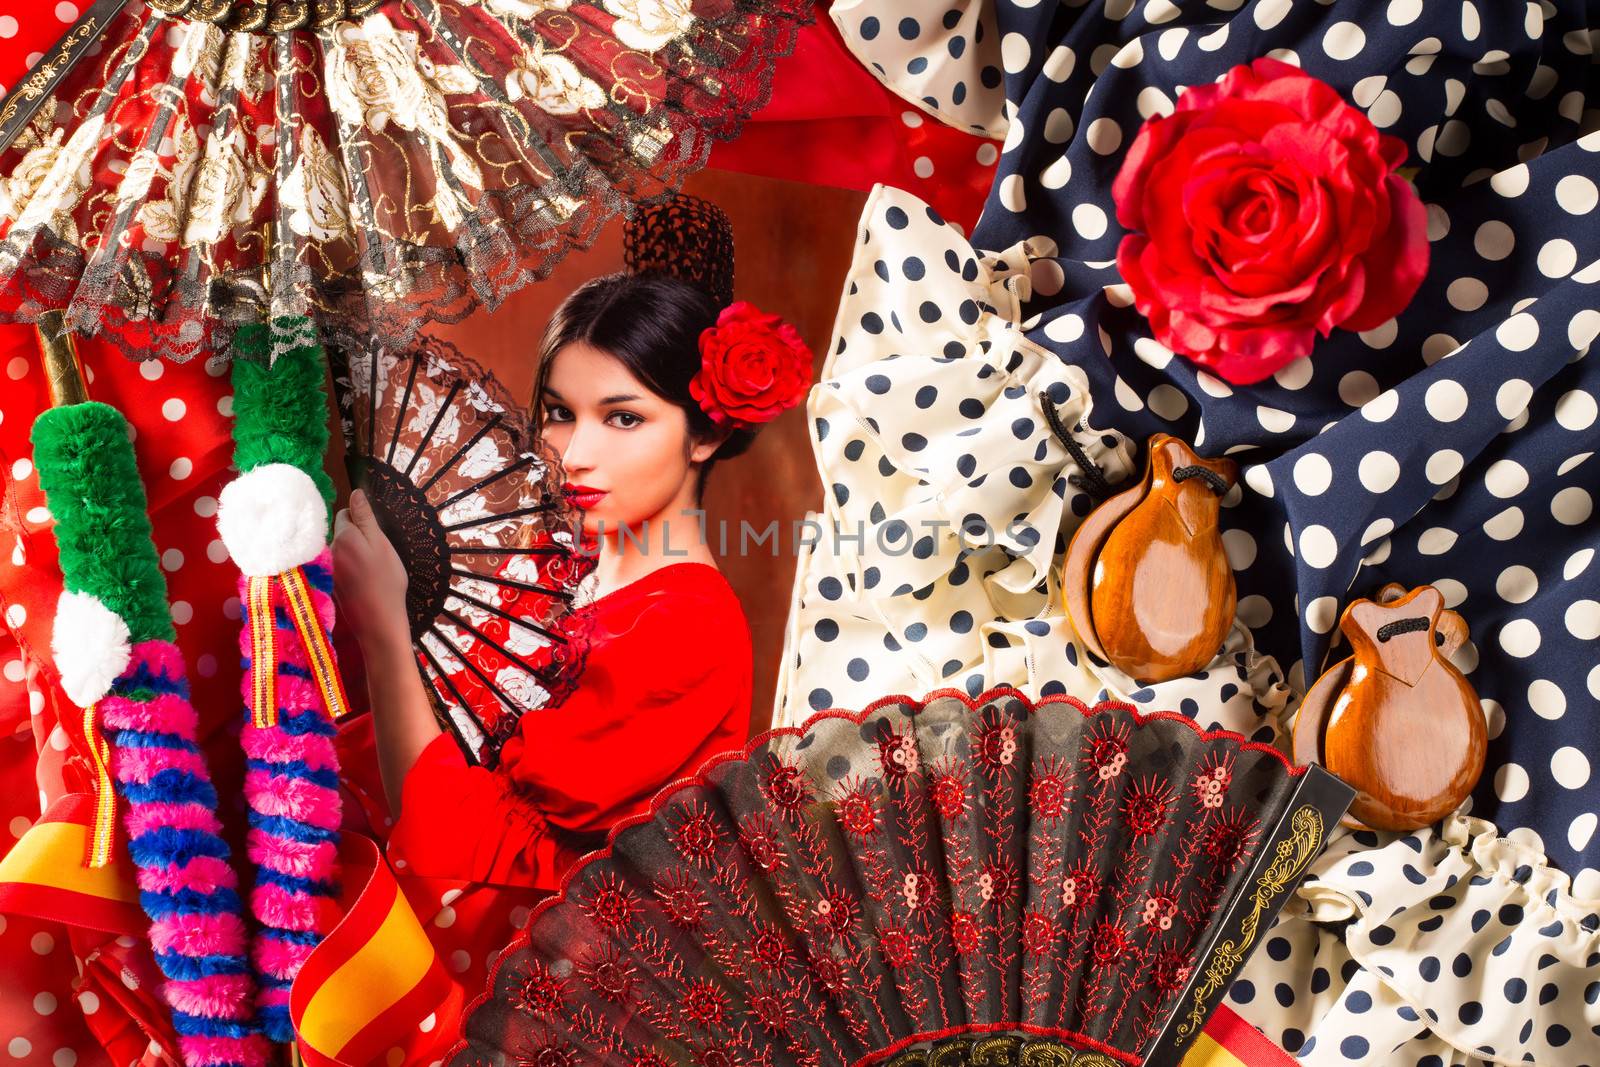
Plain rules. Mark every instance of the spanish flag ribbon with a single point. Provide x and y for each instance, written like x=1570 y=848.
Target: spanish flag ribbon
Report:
x=375 y=977
x=1229 y=1041
x=44 y=875
x=105 y=794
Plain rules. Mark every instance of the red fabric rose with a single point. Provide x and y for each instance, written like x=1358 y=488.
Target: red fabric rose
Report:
x=1266 y=211
x=753 y=367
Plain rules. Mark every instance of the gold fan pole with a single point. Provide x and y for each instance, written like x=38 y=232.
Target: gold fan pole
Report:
x=62 y=368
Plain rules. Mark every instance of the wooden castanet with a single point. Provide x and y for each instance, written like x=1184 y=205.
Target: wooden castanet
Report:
x=1146 y=581
x=1396 y=720
x=1078 y=567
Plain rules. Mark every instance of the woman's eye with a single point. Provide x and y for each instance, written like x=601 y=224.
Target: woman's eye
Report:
x=557 y=413
x=626 y=420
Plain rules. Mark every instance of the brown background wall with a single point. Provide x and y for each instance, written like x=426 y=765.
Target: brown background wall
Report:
x=792 y=248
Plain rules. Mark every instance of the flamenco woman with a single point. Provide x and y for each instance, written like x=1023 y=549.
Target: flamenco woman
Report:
x=643 y=385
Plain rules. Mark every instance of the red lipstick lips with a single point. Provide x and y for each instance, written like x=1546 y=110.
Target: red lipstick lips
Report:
x=585 y=497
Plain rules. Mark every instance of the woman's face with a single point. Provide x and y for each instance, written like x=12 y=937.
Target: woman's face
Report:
x=625 y=448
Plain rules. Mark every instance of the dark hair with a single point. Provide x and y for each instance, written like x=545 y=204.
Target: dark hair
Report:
x=652 y=323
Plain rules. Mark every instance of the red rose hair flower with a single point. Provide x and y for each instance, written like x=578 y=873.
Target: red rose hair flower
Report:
x=1266 y=211
x=753 y=367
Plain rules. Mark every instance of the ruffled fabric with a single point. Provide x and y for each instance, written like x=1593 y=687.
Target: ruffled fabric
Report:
x=1452 y=445
x=1454 y=943
x=950 y=500
x=949 y=71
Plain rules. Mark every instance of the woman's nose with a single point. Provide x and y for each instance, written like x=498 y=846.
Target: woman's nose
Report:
x=576 y=455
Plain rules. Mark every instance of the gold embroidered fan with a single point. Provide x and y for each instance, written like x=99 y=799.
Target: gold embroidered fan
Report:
x=174 y=167
x=491 y=545
x=943 y=882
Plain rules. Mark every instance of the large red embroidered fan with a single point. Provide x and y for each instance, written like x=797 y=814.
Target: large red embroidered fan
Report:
x=172 y=167
x=491 y=545
x=945 y=882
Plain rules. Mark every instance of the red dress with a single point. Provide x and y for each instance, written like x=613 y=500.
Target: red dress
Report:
x=666 y=685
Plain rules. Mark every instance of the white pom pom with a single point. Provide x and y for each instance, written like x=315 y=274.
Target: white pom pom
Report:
x=91 y=646
x=272 y=519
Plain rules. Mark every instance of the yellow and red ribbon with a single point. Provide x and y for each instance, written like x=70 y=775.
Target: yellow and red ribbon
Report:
x=323 y=665
x=263 y=651
x=98 y=853
x=44 y=875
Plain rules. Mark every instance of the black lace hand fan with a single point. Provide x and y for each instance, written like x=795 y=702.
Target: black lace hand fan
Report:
x=952 y=882
x=492 y=546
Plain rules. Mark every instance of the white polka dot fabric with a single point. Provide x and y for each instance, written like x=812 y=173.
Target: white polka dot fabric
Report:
x=1451 y=445
x=1452 y=945
x=953 y=499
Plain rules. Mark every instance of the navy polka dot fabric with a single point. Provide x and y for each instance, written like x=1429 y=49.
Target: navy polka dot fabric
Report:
x=1453 y=444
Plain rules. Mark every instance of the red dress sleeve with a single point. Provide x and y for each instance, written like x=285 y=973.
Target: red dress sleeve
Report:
x=666 y=686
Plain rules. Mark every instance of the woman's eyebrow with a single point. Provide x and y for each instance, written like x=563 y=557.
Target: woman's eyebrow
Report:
x=620 y=398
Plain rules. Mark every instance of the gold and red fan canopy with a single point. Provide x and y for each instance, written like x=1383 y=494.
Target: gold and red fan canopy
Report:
x=174 y=167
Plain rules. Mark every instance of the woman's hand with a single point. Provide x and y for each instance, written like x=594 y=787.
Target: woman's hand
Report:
x=369 y=578
x=371 y=584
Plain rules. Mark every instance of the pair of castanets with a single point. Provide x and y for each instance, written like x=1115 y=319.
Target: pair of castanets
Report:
x=1149 y=589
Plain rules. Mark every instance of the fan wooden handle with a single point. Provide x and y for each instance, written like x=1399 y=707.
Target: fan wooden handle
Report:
x=62 y=368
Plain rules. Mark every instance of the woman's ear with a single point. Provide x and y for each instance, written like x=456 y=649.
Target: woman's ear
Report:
x=706 y=447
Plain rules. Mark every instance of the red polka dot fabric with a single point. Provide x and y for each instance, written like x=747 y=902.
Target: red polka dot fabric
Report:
x=49 y=1012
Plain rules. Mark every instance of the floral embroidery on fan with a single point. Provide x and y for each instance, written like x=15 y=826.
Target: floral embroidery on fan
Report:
x=1081 y=887
x=787 y=787
x=769 y=950
x=965 y=934
x=613 y=905
x=540 y=993
x=838 y=913
x=948 y=791
x=897 y=946
x=831 y=974
x=772 y=1012
x=760 y=840
x=1108 y=750
x=1145 y=808
x=1109 y=943
x=1169 y=970
x=1039 y=932
x=1229 y=837
x=855 y=810
x=605 y=970
x=1212 y=782
x=683 y=900
x=997 y=880
x=995 y=744
x=1050 y=791
x=898 y=757
x=549 y=1054
x=696 y=837
x=705 y=1004
x=1159 y=911
x=919 y=889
